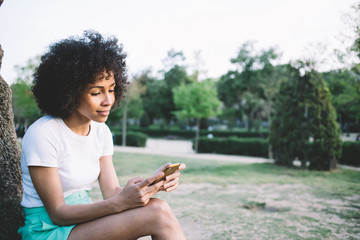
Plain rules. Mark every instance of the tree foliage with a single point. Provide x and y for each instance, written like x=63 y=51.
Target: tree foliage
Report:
x=345 y=95
x=175 y=77
x=196 y=100
x=252 y=86
x=133 y=102
x=304 y=125
x=23 y=102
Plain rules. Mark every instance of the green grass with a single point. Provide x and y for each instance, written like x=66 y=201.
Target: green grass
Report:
x=218 y=172
x=227 y=200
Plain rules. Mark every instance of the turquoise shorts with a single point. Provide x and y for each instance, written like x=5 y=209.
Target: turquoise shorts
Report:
x=39 y=226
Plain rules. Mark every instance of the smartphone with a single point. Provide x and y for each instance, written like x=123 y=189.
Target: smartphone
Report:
x=167 y=171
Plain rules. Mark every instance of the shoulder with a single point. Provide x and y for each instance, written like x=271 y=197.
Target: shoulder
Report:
x=44 y=127
x=41 y=140
x=46 y=123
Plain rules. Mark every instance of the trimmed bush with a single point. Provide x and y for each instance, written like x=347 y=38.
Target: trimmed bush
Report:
x=239 y=134
x=134 y=139
x=256 y=147
x=189 y=134
x=354 y=127
x=350 y=154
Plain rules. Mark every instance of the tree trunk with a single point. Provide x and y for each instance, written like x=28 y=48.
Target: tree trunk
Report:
x=268 y=111
x=124 y=123
x=10 y=173
x=197 y=135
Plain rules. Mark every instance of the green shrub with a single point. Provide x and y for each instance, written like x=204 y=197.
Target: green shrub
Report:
x=239 y=134
x=190 y=134
x=256 y=147
x=350 y=154
x=303 y=110
x=134 y=139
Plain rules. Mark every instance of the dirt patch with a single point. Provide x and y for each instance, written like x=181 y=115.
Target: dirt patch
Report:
x=268 y=211
x=279 y=211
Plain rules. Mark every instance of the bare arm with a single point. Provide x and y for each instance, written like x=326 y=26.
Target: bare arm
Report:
x=108 y=180
x=135 y=193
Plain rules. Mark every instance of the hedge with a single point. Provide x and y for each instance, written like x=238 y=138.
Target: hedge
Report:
x=135 y=139
x=249 y=144
x=350 y=154
x=239 y=134
x=256 y=147
x=189 y=134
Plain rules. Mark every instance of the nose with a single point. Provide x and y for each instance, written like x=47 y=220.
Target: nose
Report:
x=108 y=99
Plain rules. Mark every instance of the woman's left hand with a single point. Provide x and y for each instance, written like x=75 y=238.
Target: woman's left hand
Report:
x=171 y=182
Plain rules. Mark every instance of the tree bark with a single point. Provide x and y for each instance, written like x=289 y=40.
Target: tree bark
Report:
x=124 y=123
x=197 y=135
x=10 y=172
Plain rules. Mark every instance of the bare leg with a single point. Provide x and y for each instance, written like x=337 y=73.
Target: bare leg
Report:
x=155 y=219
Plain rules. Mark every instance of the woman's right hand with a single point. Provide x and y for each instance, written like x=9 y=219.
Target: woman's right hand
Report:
x=137 y=192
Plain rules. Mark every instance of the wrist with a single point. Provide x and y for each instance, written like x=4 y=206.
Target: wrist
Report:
x=115 y=204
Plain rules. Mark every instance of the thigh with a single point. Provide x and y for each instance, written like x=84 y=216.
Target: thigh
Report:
x=130 y=224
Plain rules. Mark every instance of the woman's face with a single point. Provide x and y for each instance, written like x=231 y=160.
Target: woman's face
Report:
x=98 y=98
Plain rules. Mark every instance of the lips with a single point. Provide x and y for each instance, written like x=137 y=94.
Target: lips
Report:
x=104 y=113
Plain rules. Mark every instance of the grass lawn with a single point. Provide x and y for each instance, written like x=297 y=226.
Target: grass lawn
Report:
x=227 y=200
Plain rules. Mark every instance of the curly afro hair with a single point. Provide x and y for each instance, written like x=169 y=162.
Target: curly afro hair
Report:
x=72 y=64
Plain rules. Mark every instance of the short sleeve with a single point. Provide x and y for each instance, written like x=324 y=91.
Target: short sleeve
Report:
x=108 y=145
x=39 y=148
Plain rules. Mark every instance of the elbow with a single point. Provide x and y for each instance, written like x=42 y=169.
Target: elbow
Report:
x=58 y=222
x=57 y=218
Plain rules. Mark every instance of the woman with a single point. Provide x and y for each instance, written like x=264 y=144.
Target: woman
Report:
x=76 y=84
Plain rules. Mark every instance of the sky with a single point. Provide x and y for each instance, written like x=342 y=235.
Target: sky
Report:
x=149 y=29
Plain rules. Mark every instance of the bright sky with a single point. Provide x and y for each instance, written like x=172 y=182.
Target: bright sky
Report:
x=149 y=29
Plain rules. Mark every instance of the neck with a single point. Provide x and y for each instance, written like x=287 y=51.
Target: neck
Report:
x=79 y=127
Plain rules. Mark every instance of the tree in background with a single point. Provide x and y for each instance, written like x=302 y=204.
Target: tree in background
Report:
x=132 y=102
x=303 y=113
x=153 y=100
x=174 y=77
x=10 y=171
x=151 y=91
x=345 y=96
x=356 y=26
x=231 y=99
x=196 y=100
x=288 y=135
x=252 y=86
x=24 y=105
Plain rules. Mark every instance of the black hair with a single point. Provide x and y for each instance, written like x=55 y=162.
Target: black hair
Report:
x=73 y=63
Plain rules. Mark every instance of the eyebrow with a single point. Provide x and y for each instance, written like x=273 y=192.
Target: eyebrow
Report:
x=101 y=86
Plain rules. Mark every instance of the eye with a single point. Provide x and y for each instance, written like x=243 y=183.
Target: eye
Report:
x=94 y=94
x=112 y=90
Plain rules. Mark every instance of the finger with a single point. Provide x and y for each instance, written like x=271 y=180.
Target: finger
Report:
x=173 y=176
x=151 y=179
x=153 y=189
x=182 y=166
x=135 y=180
x=172 y=188
x=171 y=183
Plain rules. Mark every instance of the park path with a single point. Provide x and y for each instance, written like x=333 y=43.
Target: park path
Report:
x=183 y=148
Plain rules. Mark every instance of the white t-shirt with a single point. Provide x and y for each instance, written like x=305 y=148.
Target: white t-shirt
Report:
x=50 y=143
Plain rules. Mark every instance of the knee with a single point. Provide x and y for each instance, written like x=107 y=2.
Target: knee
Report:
x=159 y=206
x=161 y=210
